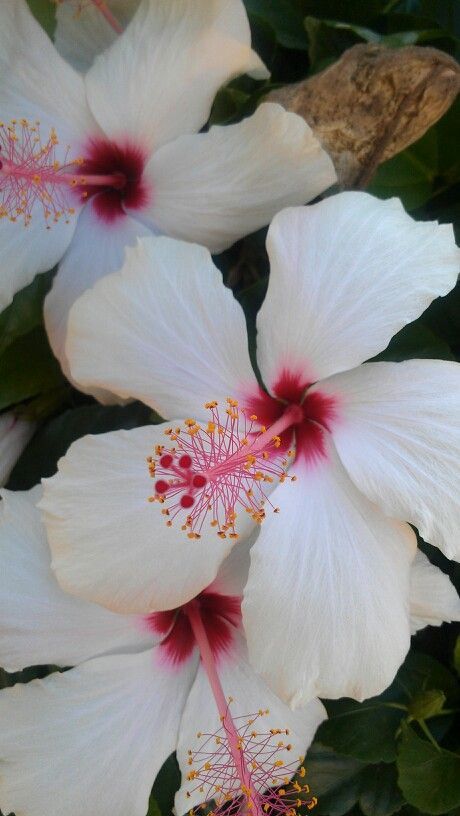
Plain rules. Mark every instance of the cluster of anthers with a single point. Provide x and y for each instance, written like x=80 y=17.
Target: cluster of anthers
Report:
x=217 y=467
x=30 y=172
x=267 y=781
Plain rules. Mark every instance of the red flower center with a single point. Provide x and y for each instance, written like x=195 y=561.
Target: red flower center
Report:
x=221 y=616
x=319 y=413
x=123 y=164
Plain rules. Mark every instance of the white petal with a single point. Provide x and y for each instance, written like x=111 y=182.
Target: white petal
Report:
x=36 y=82
x=172 y=336
x=96 y=250
x=233 y=572
x=346 y=275
x=433 y=597
x=399 y=438
x=109 y=543
x=15 y=433
x=215 y=187
x=326 y=603
x=81 y=35
x=159 y=79
x=26 y=251
x=90 y=740
x=41 y=623
x=249 y=694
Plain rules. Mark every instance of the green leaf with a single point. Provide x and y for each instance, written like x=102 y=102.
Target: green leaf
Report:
x=352 y=11
x=154 y=808
x=327 y=42
x=52 y=440
x=25 y=312
x=403 y=177
x=380 y=795
x=419 y=673
x=416 y=341
x=228 y=104
x=427 y=704
x=429 y=777
x=166 y=785
x=365 y=731
x=45 y=12
x=28 y=368
x=335 y=780
x=285 y=19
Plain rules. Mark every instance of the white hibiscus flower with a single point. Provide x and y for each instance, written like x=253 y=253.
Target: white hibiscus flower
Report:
x=372 y=446
x=92 y=739
x=90 y=163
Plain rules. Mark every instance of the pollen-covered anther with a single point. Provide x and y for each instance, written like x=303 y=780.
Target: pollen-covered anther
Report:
x=217 y=468
x=30 y=173
x=264 y=781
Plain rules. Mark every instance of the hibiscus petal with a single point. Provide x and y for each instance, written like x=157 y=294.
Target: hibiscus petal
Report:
x=36 y=81
x=109 y=543
x=40 y=623
x=249 y=694
x=215 y=187
x=326 y=608
x=96 y=250
x=233 y=572
x=399 y=439
x=172 y=336
x=346 y=275
x=90 y=740
x=80 y=37
x=433 y=597
x=159 y=79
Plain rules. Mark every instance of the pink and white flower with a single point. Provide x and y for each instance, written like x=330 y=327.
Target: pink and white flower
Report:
x=371 y=446
x=15 y=434
x=90 y=163
x=92 y=739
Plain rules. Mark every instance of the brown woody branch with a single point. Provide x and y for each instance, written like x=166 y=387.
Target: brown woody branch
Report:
x=372 y=103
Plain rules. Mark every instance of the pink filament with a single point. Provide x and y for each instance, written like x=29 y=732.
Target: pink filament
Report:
x=220 y=468
x=30 y=173
x=209 y=665
x=237 y=766
x=109 y=16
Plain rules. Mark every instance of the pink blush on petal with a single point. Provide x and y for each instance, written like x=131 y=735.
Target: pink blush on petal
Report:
x=221 y=616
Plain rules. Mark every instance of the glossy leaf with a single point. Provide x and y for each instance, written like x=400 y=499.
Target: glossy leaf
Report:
x=28 y=368
x=429 y=776
x=25 y=312
x=380 y=795
x=366 y=731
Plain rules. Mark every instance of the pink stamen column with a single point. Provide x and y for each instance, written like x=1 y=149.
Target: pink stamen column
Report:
x=105 y=11
x=209 y=664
